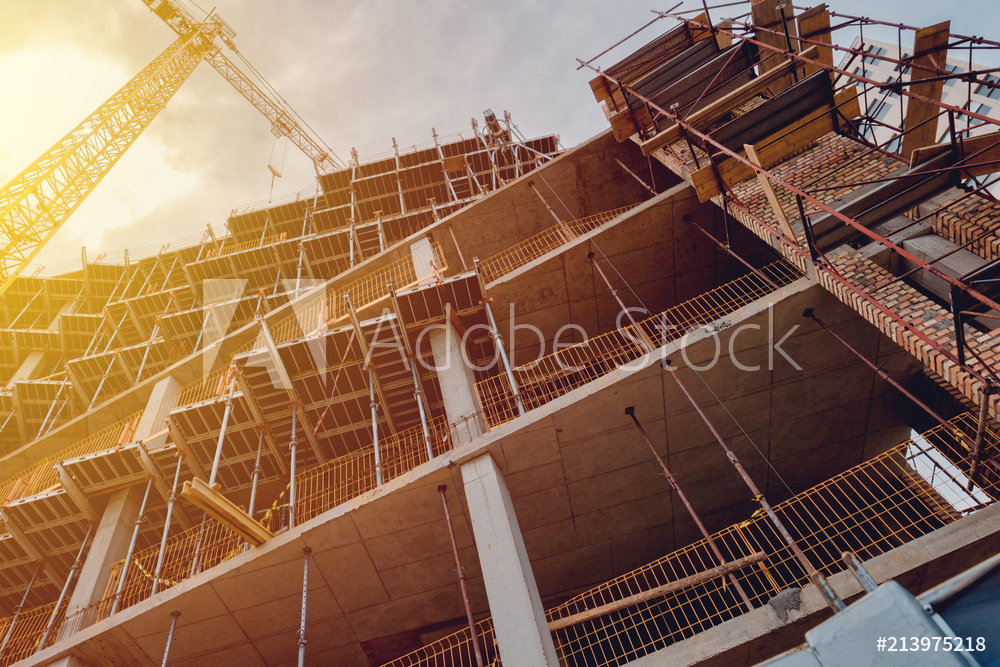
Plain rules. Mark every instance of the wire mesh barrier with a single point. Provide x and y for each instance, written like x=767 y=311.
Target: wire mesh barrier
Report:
x=869 y=509
x=571 y=367
x=29 y=626
x=318 y=489
x=544 y=242
x=311 y=317
x=233 y=248
x=330 y=484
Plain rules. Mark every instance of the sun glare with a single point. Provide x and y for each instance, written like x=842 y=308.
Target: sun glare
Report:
x=49 y=91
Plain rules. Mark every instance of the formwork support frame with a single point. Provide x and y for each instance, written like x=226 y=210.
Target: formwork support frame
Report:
x=65 y=589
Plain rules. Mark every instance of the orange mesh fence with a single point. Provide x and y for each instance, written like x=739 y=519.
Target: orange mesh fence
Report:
x=542 y=243
x=571 y=367
x=870 y=509
x=29 y=626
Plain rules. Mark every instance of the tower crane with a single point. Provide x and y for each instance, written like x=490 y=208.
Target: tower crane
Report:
x=39 y=200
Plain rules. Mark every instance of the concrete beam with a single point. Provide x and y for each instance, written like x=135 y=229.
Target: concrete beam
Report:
x=518 y=616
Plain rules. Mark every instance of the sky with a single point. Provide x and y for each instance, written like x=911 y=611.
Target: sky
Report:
x=360 y=73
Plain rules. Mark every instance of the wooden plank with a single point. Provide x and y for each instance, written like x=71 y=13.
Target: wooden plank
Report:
x=707 y=116
x=930 y=50
x=814 y=24
x=641 y=62
x=772 y=198
x=985 y=148
x=765 y=14
x=659 y=591
x=220 y=508
x=779 y=145
x=623 y=125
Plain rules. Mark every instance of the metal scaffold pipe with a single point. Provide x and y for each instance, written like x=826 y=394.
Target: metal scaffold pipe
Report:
x=222 y=431
x=65 y=589
x=831 y=597
x=443 y=489
x=131 y=547
x=166 y=524
x=20 y=607
x=630 y=411
x=170 y=637
x=302 y=619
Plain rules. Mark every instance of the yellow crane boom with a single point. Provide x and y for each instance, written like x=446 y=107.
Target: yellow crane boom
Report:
x=36 y=202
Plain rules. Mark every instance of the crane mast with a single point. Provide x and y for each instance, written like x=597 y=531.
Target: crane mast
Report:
x=39 y=200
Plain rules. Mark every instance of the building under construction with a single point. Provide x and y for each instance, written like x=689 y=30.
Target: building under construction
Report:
x=650 y=399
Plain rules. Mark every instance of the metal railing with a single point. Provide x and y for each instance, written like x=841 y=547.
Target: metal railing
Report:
x=571 y=367
x=29 y=626
x=869 y=510
x=544 y=242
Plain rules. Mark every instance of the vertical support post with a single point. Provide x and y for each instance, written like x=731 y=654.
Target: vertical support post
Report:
x=123 y=575
x=458 y=249
x=145 y=354
x=419 y=395
x=222 y=431
x=461 y=578
x=643 y=338
x=569 y=235
x=831 y=597
x=170 y=637
x=166 y=524
x=20 y=607
x=498 y=341
x=351 y=241
x=292 y=446
x=630 y=411
x=65 y=589
x=374 y=404
x=100 y=385
x=256 y=473
x=197 y=546
x=381 y=233
x=302 y=619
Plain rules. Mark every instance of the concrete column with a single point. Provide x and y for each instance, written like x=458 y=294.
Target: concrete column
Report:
x=162 y=399
x=458 y=383
x=110 y=543
x=518 y=617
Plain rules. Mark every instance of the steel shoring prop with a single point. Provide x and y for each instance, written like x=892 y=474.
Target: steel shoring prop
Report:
x=374 y=406
x=831 y=597
x=630 y=411
x=104 y=377
x=149 y=346
x=473 y=635
x=166 y=524
x=222 y=431
x=302 y=618
x=170 y=637
x=65 y=589
x=569 y=235
x=724 y=246
x=256 y=471
x=20 y=607
x=884 y=375
x=197 y=546
x=293 y=449
x=833 y=273
x=498 y=341
x=418 y=392
x=131 y=547
x=643 y=338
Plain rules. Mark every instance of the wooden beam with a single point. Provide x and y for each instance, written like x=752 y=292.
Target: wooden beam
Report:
x=707 y=116
x=778 y=146
x=930 y=49
x=208 y=499
x=772 y=198
x=659 y=591
x=982 y=149
x=814 y=24
x=765 y=14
